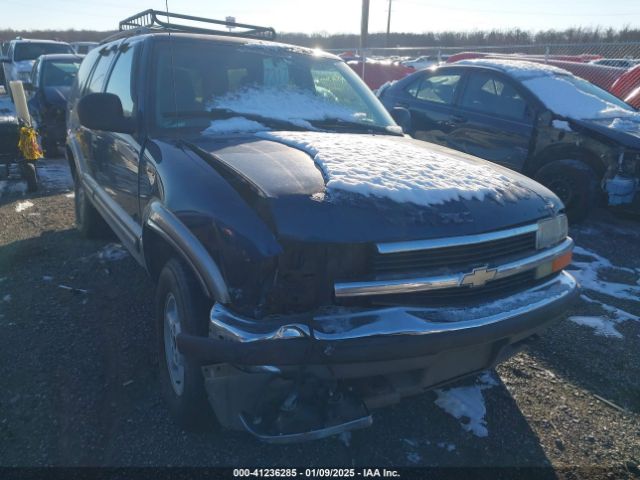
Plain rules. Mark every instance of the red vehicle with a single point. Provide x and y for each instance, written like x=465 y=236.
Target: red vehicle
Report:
x=627 y=87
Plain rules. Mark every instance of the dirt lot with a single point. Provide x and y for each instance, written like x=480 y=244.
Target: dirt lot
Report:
x=78 y=381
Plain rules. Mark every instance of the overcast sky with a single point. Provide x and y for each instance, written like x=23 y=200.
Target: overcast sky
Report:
x=333 y=16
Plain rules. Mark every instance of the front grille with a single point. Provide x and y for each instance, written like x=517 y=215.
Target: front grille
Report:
x=470 y=256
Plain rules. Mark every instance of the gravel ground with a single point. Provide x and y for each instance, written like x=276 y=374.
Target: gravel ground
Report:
x=78 y=384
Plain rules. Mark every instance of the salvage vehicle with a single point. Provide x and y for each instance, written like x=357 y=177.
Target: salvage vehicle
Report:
x=312 y=262
x=580 y=141
x=22 y=54
x=51 y=80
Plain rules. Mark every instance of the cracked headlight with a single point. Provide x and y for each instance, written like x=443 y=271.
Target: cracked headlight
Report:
x=551 y=231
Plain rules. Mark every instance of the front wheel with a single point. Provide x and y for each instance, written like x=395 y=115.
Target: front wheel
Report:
x=181 y=307
x=574 y=182
x=30 y=174
x=88 y=220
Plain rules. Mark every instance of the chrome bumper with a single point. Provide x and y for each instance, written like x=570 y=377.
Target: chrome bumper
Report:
x=344 y=335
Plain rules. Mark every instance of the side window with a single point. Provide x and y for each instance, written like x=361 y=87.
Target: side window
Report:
x=437 y=88
x=120 y=79
x=85 y=68
x=488 y=94
x=100 y=72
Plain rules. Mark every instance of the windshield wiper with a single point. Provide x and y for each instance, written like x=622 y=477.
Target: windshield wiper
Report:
x=225 y=114
x=333 y=123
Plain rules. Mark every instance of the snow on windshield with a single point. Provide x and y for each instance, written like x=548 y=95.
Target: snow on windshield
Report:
x=402 y=171
x=289 y=104
x=234 y=124
x=555 y=88
x=561 y=96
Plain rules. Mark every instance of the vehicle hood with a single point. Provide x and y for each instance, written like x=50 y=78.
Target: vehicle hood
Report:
x=57 y=95
x=312 y=200
x=623 y=130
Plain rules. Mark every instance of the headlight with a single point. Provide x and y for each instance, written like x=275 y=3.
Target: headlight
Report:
x=551 y=231
x=24 y=76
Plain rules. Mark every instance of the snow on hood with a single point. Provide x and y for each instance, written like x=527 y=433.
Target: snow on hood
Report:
x=234 y=124
x=291 y=105
x=381 y=166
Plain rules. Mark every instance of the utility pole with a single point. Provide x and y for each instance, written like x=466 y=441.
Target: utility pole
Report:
x=388 y=25
x=364 y=33
x=364 y=24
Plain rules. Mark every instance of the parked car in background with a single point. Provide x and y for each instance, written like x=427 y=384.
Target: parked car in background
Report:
x=617 y=62
x=425 y=61
x=376 y=74
x=22 y=54
x=575 y=138
x=82 y=48
x=311 y=261
x=48 y=90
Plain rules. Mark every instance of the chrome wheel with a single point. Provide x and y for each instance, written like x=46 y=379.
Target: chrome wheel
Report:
x=174 y=359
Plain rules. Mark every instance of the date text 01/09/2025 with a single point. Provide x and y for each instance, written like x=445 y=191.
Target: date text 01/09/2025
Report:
x=315 y=472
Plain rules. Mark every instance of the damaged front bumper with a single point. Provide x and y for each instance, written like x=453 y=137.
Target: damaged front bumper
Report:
x=303 y=377
x=352 y=336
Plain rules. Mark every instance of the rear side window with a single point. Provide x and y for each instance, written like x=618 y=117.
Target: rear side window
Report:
x=120 y=79
x=489 y=94
x=100 y=72
x=436 y=88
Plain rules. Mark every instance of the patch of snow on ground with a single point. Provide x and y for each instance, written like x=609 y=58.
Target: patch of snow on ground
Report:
x=380 y=166
x=586 y=272
x=21 y=206
x=70 y=195
x=235 y=124
x=450 y=447
x=467 y=403
x=601 y=325
x=413 y=457
x=7 y=298
x=112 y=252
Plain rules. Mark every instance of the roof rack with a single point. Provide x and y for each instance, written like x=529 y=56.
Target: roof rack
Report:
x=149 y=20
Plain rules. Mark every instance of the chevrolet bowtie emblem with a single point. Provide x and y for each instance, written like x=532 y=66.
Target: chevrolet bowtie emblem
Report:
x=479 y=276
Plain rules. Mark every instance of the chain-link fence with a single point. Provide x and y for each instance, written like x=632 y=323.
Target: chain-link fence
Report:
x=612 y=66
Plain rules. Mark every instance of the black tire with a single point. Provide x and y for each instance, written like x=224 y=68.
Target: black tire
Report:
x=574 y=182
x=30 y=174
x=180 y=303
x=88 y=220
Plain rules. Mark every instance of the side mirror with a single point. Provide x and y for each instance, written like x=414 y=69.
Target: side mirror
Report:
x=545 y=117
x=402 y=116
x=103 y=111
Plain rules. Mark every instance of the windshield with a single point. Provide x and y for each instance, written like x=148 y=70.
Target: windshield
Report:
x=576 y=98
x=32 y=50
x=59 y=74
x=198 y=84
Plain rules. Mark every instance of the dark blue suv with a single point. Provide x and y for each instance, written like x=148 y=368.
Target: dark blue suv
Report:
x=311 y=261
